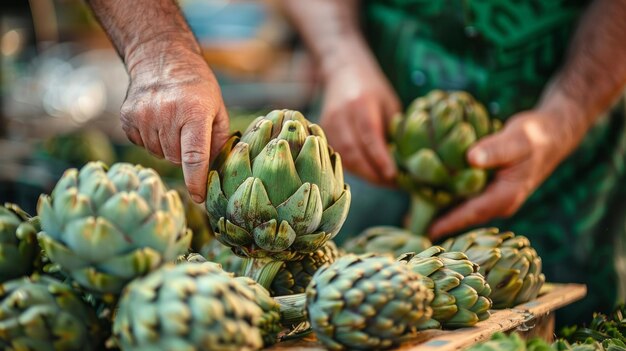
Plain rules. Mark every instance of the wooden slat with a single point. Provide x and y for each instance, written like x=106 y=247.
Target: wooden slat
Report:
x=554 y=296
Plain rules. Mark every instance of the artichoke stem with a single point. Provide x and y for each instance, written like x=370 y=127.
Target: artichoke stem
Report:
x=292 y=308
x=262 y=270
x=421 y=214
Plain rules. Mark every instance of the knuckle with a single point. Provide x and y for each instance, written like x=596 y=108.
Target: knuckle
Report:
x=194 y=158
x=173 y=159
x=126 y=116
x=357 y=100
x=195 y=111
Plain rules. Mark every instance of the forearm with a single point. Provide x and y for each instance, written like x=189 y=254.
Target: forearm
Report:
x=331 y=31
x=144 y=30
x=594 y=73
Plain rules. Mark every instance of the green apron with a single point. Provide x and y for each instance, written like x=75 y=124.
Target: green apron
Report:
x=504 y=52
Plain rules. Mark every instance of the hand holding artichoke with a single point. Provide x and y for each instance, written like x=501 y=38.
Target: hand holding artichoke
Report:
x=430 y=142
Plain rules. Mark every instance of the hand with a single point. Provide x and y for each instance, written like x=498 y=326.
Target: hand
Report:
x=174 y=109
x=525 y=152
x=358 y=104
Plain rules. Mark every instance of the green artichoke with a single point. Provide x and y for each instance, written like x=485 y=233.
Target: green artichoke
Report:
x=270 y=322
x=217 y=252
x=19 y=251
x=104 y=228
x=387 y=240
x=278 y=191
x=294 y=276
x=366 y=302
x=193 y=306
x=508 y=262
x=191 y=257
x=197 y=222
x=461 y=293
x=429 y=143
x=80 y=147
x=42 y=314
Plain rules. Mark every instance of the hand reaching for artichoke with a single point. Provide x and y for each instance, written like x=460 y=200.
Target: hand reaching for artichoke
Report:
x=173 y=107
x=175 y=110
x=359 y=103
x=524 y=152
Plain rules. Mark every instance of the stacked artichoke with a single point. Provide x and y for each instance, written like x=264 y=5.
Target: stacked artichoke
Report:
x=275 y=199
x=217 y=252
x=461 y=293
x=19 y=251
x=197 y=222
x=80 y=147
x=106 y=227
x=387 y=240
x=294 y=276
x=508 y=262
x=429 y=143
x=277 y=193
x=366 y=302
x=43 y=314
x=194 y=307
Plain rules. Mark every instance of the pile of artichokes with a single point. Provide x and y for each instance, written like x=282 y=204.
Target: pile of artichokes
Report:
x=115 y=259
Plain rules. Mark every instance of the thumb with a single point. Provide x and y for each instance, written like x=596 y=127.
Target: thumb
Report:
x=500 y=149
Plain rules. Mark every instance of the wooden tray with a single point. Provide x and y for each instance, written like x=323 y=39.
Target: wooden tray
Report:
x=534 y=318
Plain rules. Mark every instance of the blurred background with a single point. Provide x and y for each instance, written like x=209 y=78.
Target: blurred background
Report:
x=62 y=84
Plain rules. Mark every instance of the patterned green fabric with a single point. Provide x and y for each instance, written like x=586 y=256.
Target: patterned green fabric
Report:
x=504 y=52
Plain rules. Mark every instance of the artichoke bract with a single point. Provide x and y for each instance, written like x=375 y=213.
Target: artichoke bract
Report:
x=461 y=293
x=294 y=276
x=42 y=314
x=19 y=251
x=197 y=222
x=366 y=302
x=277 y=192
x=387 y=240
x=191 y=306
x=270 y=322
x=508 y=262
x=217 y=252
x=429 y=143
x=104 y=228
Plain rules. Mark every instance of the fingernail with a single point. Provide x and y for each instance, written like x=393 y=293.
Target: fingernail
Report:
x=479 y=157
x=196 y=198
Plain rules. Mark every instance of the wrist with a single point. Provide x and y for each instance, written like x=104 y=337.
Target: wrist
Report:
x=156 y=55
x=348 y=52
x=568 y=117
